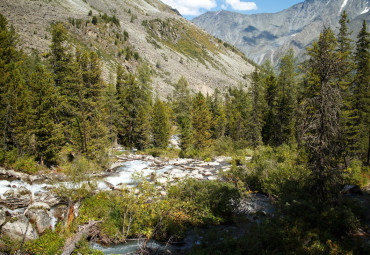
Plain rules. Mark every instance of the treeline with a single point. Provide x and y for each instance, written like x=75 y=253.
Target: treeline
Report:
x=60 y=104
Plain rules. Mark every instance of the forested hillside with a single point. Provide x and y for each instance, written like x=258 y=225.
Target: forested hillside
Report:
x=299 y=136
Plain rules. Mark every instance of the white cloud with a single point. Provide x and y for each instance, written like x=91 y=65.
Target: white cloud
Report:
x=241 y=6
x=191 y=7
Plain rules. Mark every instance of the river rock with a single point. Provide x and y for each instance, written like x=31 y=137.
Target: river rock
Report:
x=40 y=218
x=59 y=212
x=16 y=229
x=13 y=174
x=212 y=178
x=40 y=205
x=3 y=212
x=352 y=189
x=207 y=173
x=49 y=198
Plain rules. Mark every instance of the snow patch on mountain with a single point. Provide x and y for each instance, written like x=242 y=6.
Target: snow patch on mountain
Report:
x=345 y=2
x=366 y=10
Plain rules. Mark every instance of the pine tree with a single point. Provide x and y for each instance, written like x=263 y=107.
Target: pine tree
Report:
x=134 y=97
x=286 y=100
x=361 y=95
x=270 y=128
x=181 y=105
x=219 y=116
x=48 y=136
x=237 y=107
x=201 y=121
x=345 y=79
x=9 y=63
x=141 y=130
x=160 y=125
x=323 y=107
x=256 y=114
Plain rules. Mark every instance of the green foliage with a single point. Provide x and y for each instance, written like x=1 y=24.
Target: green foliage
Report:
x=201 y=122
x=26 y=165
x=83 y=247
x=49 y=243
x=217 y=197
x=94 y=20
x=276 y=171
x=160 y=125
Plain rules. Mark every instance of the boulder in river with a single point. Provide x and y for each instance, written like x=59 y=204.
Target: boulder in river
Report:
x=16 y=229
x=40 y=218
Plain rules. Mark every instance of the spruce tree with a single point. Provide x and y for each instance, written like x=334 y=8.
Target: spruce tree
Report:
x=48 y=136
x=322 y=109
x=271 y=124
x=181 y=105
x=160 y=125
x=237 y=107
x=256 y=112
x=9 y=63
x=201 y=121
x=361 y=95
x=286 y=100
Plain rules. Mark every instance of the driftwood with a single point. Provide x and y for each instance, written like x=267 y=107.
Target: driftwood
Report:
x=84 y=232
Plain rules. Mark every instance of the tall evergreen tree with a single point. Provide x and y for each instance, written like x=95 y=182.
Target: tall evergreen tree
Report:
x=256 y=114
x=160 y=125
x=219 y=116
x=361 y=95
x=269 y=81
x=9 y=89
x=48 y=136
x=286 y=100
x=237 y=110
x=201 y=121
x=345 y=80
x=182 y=109
x=323 y=107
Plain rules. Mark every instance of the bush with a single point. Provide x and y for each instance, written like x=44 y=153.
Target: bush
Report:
x=26 y=165
x=50 y=243
x=220 y=198
x=276 y=171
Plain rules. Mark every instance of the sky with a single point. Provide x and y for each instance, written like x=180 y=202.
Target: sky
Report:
x=192 y=8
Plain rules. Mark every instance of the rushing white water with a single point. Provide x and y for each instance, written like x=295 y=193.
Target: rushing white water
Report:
x=6 y=185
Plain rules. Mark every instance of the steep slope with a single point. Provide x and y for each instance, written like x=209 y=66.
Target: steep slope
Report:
x=131 y=31
x=267 y=36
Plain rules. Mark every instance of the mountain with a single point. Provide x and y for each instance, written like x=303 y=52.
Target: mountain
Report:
x=267 y=36
x=128 y=32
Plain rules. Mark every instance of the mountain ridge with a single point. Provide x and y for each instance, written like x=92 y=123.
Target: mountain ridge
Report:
x=215 y=66
x=267 y=36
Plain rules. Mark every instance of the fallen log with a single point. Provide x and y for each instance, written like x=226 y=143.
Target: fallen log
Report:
x=70 y=244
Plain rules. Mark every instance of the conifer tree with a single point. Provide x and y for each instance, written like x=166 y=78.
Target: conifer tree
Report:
x=237 y=113
x=160 y=125
x=201 y=121
x=256 y=114
x=134 y=97
x=219 y=116
x=323 y=107
x=345 y=79
x=48 y=136
x=286 y=100
x=9 y=62
x=182 y=109
x=361 y=95
x=270 y=128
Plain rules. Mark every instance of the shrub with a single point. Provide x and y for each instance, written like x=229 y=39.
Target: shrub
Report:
x=26 y=165
x=50 y=243
x=276 y=171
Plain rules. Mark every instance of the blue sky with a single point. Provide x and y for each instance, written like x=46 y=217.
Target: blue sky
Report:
x=192 y=8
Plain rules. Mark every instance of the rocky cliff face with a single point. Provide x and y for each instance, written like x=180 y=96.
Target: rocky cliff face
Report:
x=267 y=36
x=148 y=31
